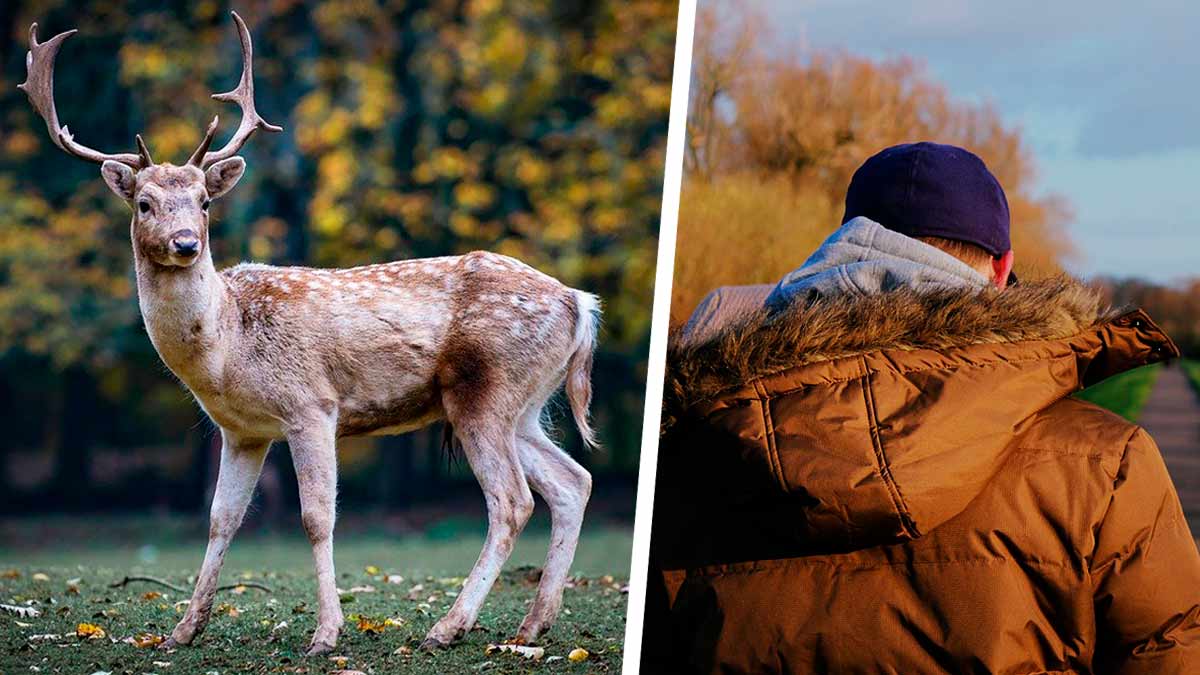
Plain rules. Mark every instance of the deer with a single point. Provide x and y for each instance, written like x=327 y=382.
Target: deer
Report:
x=479 y=341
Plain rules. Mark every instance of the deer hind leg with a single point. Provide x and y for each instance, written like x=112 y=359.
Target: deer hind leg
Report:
x=489 y=443
x=313 y=446
x=565 y=486
x=241 y=464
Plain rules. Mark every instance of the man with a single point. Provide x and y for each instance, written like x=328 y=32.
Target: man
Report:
x=944 y=222
x=876 y=465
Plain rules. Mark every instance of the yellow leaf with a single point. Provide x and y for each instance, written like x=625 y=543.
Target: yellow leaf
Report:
x=578 y=654
x=90 y=630
x=226 y=608
x=151 y=595
x=372 y=570
x=369 y=625
x=144 y=640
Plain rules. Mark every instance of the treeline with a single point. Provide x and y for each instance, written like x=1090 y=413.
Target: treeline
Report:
x=411 y=129
x=773 y=139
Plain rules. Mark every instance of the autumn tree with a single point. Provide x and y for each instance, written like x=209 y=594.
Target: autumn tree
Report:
x=794 y=129
x=412 y=129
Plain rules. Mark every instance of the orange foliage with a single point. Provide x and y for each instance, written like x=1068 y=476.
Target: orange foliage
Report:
x=792 y=130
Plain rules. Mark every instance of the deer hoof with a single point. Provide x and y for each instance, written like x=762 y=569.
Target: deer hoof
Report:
x=432 y=644
x=319 y=648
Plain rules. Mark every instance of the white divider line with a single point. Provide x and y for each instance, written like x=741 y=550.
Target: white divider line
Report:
x=656 y=365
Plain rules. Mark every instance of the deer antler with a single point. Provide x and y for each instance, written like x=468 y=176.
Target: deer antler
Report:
x=39 y=86
x=243 y=95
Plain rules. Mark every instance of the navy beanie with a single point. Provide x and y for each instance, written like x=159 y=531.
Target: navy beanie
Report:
x=932 y=190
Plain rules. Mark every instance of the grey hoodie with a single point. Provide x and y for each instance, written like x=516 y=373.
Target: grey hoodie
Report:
x=862 y=257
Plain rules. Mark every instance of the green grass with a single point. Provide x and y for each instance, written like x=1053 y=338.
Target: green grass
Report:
x=1192 y=370
x=593 y=616
x=1124 y=394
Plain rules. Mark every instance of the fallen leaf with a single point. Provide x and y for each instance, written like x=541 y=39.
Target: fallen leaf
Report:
x=282 y=625
x=10 y=574
x=372 y=570
x=226 y=608
x=578 y=654
x=534 y=653
x=369 y=625
x=45 y=637
x=161 y=664
x=363 y=589
x=144 y=640
x=403 y=651
x=21 y=610
x=394 y=579
x=151 y=595
x=40 y=576
x=90 y=631
x=348 y=672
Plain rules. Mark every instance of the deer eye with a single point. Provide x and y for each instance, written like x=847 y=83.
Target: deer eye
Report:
x=205 y=204
x=144 y=206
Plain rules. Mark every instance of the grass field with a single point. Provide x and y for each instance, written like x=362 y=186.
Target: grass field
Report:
x=1124 y=394
x=253 y=631
x=1192 y=370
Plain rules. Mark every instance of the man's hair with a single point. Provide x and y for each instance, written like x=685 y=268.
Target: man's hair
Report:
x=973 y=255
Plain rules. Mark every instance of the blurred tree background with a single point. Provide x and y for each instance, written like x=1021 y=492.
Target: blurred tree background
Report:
x=534 y=128
x=774 y=137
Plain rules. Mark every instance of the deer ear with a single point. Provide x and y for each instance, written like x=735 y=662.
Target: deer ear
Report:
x=120 y=179
x=222 y=176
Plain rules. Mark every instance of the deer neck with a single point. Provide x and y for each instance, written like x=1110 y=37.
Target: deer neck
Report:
x=184 y=309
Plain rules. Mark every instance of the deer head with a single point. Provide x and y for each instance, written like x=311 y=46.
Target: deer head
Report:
x=170 y=203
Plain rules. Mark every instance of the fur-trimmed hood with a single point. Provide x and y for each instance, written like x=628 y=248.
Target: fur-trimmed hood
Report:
x=886 y=415
x=830 y=328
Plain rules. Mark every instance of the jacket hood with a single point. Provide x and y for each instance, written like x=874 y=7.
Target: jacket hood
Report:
x=884 y=416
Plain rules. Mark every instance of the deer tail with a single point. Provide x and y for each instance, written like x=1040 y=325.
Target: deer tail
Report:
x=579 y=365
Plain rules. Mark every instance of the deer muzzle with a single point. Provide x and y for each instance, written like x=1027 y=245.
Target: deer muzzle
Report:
x=185 y=244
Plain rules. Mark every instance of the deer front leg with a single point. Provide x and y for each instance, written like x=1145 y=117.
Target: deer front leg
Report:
x=241 y=463
x=313 y=446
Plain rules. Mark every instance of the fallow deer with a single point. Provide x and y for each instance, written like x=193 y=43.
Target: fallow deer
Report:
x=481 y=341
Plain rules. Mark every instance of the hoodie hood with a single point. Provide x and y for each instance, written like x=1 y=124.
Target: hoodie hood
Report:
x=852 y=421
x=863 y=258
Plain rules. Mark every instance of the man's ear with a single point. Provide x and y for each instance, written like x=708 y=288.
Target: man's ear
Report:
x=120 y=179
x=1001 y=268
x=222 y=176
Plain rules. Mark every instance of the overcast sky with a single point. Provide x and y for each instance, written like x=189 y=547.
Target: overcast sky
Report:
x=1107 y=94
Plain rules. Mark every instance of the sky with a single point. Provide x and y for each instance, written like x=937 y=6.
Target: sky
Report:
x=1107 y=95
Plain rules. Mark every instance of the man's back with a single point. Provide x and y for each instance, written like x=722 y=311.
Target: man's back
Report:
x=901 y=483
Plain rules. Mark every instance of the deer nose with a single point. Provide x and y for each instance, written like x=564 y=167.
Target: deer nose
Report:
x=185 y=244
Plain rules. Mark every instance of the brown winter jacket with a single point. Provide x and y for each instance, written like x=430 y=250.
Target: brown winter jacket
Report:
x=903 y=484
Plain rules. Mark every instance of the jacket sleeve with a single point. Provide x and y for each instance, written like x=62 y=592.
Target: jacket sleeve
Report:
x=1146 y=572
